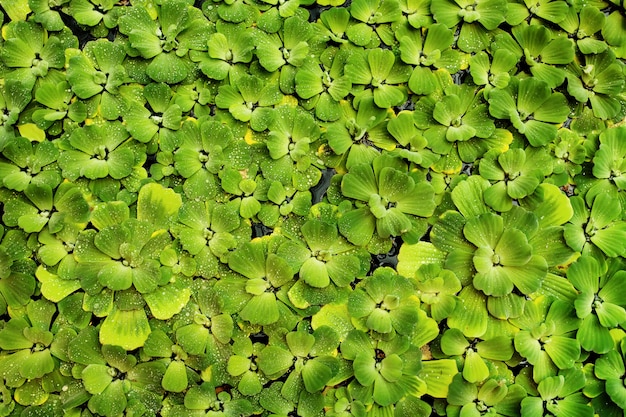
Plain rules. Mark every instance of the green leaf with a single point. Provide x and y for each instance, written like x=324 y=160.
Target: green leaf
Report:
x=317 y=372
x=168 y=300
x=157 y=205
x=387 y=393
x=379 y=320
x=319 y=235
x=593 y=336
x=539 y=133
x=343 y=268
x=412 y=257
x=249 y=260
x=116 y=276
x=357 y=226
x=274 y=361
x=359 y=183
x=610 y=315
x=17 y=10
x=200 y=397
x=474 y=369
x=315 y=273
x=584 y=274
x=175 y=378
x=422 y=81
x=484 y=230
x=168 y=68
x=563 y=351
x=364 y=369
x=82 y=75
x=96 y=378
x=468 y=196
x=261 y=309
x=453 y=342
x=112 y=401
x=510 y=239
x=54 y=288
x=126 y=328
x=192 y=338
x=470 y=315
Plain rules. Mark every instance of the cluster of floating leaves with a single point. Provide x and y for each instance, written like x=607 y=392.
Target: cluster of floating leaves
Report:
x=298 y=208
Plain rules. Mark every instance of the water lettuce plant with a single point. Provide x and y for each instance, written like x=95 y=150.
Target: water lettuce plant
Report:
x=312 y=208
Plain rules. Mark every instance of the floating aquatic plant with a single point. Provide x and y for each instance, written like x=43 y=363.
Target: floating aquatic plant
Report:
x=314 y=208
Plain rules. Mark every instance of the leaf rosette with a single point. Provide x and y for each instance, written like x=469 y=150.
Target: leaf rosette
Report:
x=373 y=19
x=477 y=18
x=547 y=336
x=414 y=147
x=257 y=295
x=437 y=289
x=569 y=153
x=39 y=207
x=157 y=118
x=430 y=48
x=55 y=96
x=116 y=259
x=250 y=99
x=458 y=115
x=495 y=396
x=558 y=395
x=599 y=82
x=389 y=200
x=503 y=258
x=477 y=356
x=14 y=97
x=166 y=40
x=610 y=368
x=16 y=270
x=324 y=259
x=28 y=338
x=243 y=365
x=497 y=253
x=293 y=132
x=531 y=106
x=586 y=24
x=600 y=303
x=229 y=48
x=597 y=229
x=515 y=173
x=315 y=362
x=29 y=163
x=609 y=162
x=323 y=85
x=98 y=68
x=389 y=369
x=109 y=374
x=209 y=232
x=200 y=333
x=100 y=151
x=285 y=51
x=358 y=127
x=544 y=53
x=384 y=303
x=31 y=53
x=382 y=76
x=125 y=253
x=207 y=148
x=493 y=71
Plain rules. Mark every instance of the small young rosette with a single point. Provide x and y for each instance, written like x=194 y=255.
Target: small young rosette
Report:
x=389 y=201
x=600 y=303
